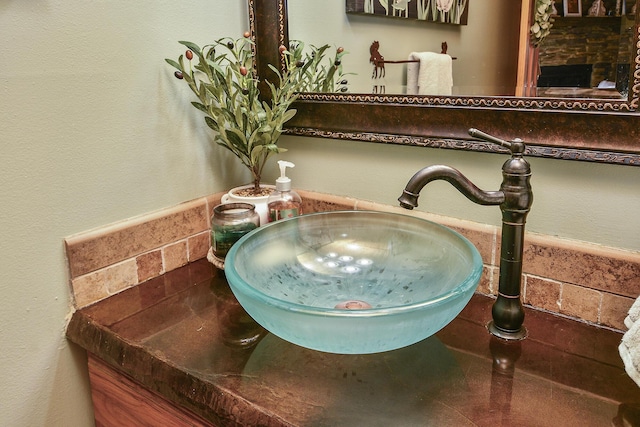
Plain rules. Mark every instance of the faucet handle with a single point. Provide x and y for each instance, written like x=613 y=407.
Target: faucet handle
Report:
x=516 y=146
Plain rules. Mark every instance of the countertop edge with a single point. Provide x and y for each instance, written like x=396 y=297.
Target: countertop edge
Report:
x=210 y=401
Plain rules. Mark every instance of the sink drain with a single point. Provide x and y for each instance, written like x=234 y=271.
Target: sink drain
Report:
x=353 y=305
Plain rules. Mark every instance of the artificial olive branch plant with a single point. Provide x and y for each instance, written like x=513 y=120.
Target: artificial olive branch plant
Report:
x=222 y=77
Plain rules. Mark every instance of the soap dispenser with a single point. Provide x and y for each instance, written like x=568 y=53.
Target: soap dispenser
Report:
x=284 y=202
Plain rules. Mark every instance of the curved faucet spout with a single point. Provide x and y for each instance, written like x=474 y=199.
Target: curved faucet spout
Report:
x=409 y=197
x=515 y=198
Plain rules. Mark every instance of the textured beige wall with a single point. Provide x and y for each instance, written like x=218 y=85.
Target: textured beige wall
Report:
x=93 y=129
x=575 y=200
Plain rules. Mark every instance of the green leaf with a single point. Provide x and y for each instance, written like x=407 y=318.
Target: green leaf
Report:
x=173 y=63
x=237 y=138
x=266 y=128
x=272 y=147
x=192 y=46
x=288 y=115
x=256 y=153
x=200 y=107
x=211 y=123
x=202 y=93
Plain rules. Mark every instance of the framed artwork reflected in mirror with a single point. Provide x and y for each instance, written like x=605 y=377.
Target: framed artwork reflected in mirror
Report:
x=572 y=7
x=440 y=11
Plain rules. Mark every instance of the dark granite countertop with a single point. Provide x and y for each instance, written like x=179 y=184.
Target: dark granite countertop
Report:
x=183 y=336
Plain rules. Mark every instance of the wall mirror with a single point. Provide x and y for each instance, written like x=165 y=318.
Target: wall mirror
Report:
x=576 y=127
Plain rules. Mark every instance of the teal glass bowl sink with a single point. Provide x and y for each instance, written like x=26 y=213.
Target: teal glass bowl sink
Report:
x=353 y=282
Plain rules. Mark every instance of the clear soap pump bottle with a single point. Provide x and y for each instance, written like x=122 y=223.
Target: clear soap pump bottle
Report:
x=284 y=202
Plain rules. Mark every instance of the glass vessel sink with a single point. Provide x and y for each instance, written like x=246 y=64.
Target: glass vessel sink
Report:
x=353 y=282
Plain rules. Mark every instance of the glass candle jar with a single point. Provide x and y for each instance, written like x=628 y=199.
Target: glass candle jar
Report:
x=231 y=221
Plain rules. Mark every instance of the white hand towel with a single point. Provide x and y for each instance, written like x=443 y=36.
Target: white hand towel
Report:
x=634 y=314
x=432 y=75
x=630 y=352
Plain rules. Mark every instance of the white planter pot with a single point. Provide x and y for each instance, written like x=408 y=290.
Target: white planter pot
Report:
x=260 y=202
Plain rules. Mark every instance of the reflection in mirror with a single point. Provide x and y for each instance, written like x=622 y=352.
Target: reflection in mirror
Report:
x=486 y=49
x=587 y=57
x=588 y=129
x=582 y=57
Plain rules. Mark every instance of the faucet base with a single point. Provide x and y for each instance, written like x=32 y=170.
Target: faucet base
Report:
x=517 y=335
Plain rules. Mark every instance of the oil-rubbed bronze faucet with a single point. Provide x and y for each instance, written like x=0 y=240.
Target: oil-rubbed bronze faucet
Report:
x=515 y=199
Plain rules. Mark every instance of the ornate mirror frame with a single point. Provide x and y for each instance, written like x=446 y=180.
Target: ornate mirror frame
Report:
x=606 y=131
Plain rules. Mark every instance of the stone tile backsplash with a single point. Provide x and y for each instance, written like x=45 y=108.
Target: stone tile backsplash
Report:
x=107 y=260
x=584 y=281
